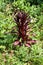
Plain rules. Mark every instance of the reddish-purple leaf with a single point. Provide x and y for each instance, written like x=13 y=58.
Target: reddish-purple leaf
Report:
x=16 y=43
x=28 y=45
x=31 y=41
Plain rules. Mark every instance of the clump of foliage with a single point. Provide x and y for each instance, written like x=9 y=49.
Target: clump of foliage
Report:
x=36 y=2
x=21 y=55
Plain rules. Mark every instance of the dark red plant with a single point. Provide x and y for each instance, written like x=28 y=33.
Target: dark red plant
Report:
x=22 y=21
